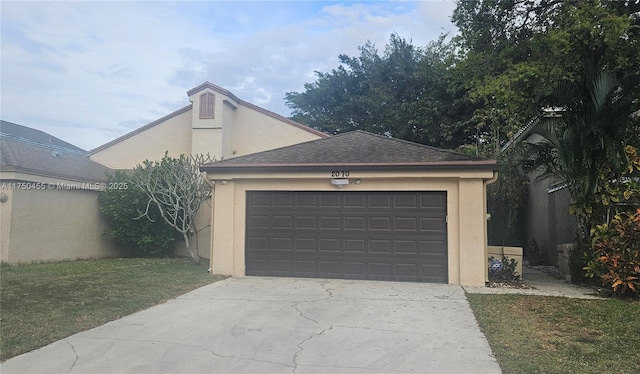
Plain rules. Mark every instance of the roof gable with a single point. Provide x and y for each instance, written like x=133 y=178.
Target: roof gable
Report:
x=356 y=148
x=195 y=90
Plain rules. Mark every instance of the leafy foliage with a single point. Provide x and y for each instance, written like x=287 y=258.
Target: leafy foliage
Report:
x=516 y=51
x=617 y=250
x=507 y=273
x=122 y=205
x=407 y=92
x=506 y=202
x=582 y=141
x=476 y=91
x=176 y=188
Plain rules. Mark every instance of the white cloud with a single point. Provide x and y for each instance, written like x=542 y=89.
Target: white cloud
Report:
x=89 y=72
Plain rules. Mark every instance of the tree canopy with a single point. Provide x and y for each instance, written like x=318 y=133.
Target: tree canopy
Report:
x=478 y=88
x=404 y=92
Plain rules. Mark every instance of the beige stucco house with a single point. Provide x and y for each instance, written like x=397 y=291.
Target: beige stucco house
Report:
x=355 y=206
x=287 y=200
x=49 y=199
x=215 y=122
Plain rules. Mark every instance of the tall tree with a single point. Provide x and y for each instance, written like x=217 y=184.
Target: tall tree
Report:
x=587 y=133
x=516 y=51
x=402 y=93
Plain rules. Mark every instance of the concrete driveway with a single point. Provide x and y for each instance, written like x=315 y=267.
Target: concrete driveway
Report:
x=282 y=325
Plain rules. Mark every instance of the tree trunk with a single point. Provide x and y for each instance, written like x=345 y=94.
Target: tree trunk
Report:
x=194 y=254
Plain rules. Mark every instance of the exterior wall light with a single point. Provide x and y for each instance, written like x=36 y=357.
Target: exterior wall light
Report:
x=339 y=182
x=3 y=197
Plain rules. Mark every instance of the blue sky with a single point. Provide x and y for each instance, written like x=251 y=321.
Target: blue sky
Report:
x=91 y=71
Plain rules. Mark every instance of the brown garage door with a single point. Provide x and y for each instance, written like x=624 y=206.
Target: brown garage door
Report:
x=352 y=235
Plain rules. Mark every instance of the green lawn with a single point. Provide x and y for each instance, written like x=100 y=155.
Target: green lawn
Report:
x=42 y=303
x=539 y=334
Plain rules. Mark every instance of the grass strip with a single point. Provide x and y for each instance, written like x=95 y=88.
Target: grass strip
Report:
x=42 y=303
x=540 y=334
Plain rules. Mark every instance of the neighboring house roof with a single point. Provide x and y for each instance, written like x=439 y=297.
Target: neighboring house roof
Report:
x=19 y=132
x=358 y=150
x=218 y=89
x=23 y=155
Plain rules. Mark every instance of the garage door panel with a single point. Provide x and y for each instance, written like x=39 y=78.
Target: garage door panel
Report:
x=305 y=201
x=258 y=199
x=329 y=245
x=433 y=202
x=329 y=223
x=380 y=269
x=379 y=201
x=282 y=244
x=330 y=201
x=406 y=246
x=306 y=222
x=355 y=200
x=380 y=223
x=329 y=267
x=406 y=270
x=282 y=222
x=355 y=223
x=433 y=246
x=305 y=245
x=406 y=223
x=406 y=201
x=283 y=201
x=258 y=222
x=370 y=235
x=258 y=244
x=433 y=224
x=354 y=245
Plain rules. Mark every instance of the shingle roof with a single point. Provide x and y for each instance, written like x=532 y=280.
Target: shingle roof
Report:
x=54 y=161
x=356 y=149
x=16 y=131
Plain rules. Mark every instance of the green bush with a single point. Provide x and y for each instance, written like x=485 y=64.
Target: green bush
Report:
x=123 y=205
x=579 y=256
x=616 y=249
x=507 y=273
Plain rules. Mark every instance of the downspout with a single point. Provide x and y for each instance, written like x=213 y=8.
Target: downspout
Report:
x=486 y=232
x=213 y=205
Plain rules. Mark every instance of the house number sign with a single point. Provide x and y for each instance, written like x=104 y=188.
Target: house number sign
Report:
x=339 y=173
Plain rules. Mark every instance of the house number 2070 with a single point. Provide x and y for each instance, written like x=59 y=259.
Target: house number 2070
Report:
x=339 y=174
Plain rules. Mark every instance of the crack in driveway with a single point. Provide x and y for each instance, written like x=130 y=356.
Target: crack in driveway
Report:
x=75 y=353
x=300 y=349
x=188 y=346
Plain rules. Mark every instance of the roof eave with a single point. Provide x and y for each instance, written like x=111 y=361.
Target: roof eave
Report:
x=48 y=174
x=293 y=167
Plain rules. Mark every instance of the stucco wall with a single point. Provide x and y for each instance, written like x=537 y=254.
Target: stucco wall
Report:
x=54 y=224
x=173 y=135
x=5 y=223
x=257 y=132
x=466 y=232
